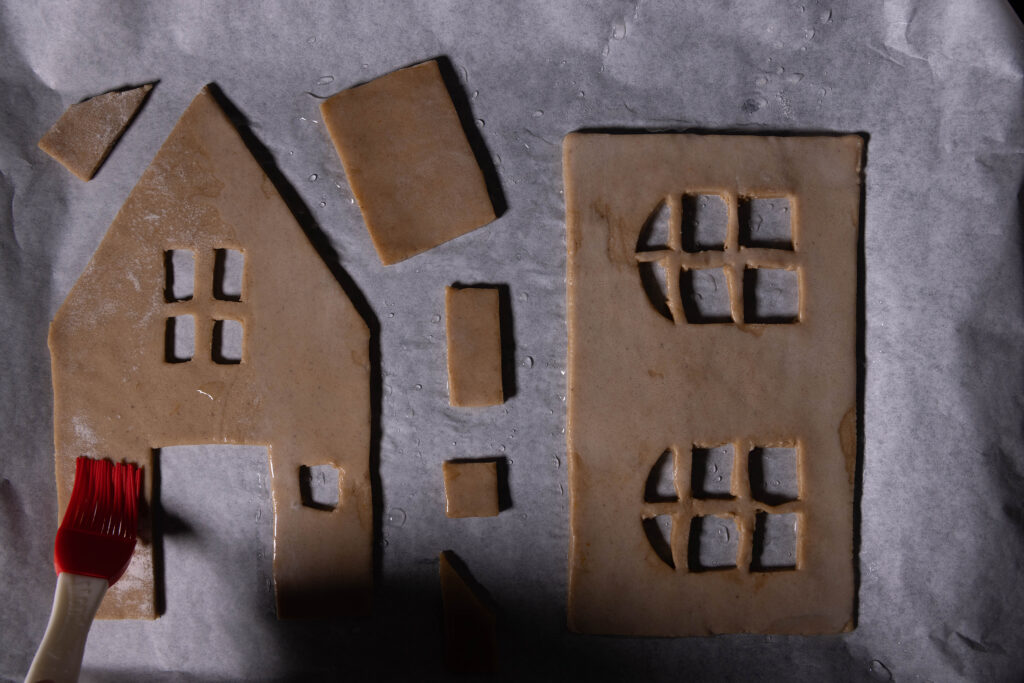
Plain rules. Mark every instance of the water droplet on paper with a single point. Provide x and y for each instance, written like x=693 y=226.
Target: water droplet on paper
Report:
x=879 y=671
x=619 y=29
x=313 y=177
x=718 y=478
x=324 y=80
x=528 y=362
x=418 y=387
x=391 y=315
x=351 y=200
x=539 y=113
x=322 y=203
x=714 y=468
x=557 y=461
x=475 y=93
x=396 y=517
x=826 y=17
x=582 y=94
x=481 y=123
x=436 y=319
x=754 y=104
x=311 y=40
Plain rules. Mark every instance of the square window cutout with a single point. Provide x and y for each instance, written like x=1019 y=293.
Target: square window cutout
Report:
x=771 y=295
x=705 y=295
x=705 y=220
x=712 y=471
x=227 y=341
x=766 y=222
x=228 y=271
x=774 y=475
x=775 y=541
x=655 y=233
x=180 y=270
x=180 y=339
x=320 y=486
x=714 y=542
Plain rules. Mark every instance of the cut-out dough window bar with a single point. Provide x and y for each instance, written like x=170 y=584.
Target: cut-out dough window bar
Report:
x=684 y=237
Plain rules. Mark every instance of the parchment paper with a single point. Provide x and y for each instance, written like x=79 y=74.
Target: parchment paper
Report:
x=937 y=87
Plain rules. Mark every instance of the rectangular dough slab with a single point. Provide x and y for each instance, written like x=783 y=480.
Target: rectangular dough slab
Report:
x=643 y=380
x=473 y=326
x=408 y=161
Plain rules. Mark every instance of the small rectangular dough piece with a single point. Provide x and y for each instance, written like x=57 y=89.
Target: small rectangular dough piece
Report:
x=651 y=383
x=471 y=488
x=84 y=134
x=408 y=161
x=473 y=327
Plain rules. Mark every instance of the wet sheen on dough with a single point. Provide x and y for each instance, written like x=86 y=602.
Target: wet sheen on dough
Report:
x=642 y=383
x=473 y=329
x=84 y=134
x=408 y=161
x=301 y=388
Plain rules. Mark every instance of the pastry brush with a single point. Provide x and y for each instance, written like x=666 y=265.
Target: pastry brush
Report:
x=94 y=544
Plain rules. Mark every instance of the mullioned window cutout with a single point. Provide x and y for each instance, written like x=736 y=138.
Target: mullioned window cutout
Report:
x=713 y=259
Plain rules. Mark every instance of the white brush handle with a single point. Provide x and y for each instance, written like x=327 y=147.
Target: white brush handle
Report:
x=59 y=658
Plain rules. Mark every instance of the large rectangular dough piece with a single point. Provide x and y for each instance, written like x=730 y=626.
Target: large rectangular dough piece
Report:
x=645 y=380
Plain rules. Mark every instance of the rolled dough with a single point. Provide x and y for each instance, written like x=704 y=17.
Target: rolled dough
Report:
x=473 y=328
x=408 y=161
x=84 y=135
x=301 y=387
x=644 y=379
x=471 y=488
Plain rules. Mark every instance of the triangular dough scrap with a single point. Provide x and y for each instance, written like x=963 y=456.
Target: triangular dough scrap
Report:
x=470 y=638
x=84 y=135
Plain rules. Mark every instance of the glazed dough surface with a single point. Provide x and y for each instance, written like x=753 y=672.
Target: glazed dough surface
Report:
x=471 y=488
x=643 y=380
x=473 y=329
x=301 y=388
x=408 y=161
x=84 y=135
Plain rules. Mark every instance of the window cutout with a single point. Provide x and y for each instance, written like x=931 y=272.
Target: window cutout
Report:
x=705 y=220
x=712 y=472
x=180 y=269
x=320 y=486
x=653 y=278
x=714 y=542
x=180 y=339
x=661 y=486
x=774 y=542
x=771 y=295
x=705 y=294
x=227 y=341
x=766 y=222
x=655 y=233
x=659 y=535
x=773 y=475
x=228 y=268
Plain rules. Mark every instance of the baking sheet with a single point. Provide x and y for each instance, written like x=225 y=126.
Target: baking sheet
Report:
x=936 y=87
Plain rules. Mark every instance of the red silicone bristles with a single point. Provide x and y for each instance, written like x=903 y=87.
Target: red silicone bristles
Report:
x=105 y=498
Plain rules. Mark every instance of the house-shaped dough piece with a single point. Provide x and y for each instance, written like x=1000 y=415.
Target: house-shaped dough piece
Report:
x=300 y=386
x=84 y=135
x=408 y=161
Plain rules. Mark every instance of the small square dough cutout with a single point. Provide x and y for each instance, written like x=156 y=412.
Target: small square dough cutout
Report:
x=471 y=488
x=408 y=161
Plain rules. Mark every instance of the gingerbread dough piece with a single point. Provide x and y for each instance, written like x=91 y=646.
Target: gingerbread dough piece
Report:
x=84 y=135
x=470 y=637
x=306 y=396
x=652 y=384
x=471 y=488
x=473 y=327
x=408 y=161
